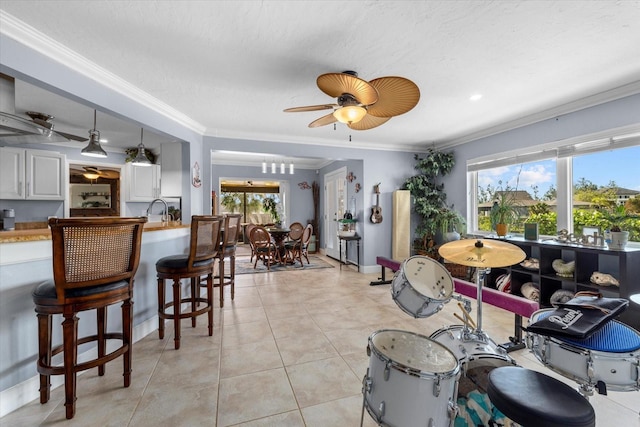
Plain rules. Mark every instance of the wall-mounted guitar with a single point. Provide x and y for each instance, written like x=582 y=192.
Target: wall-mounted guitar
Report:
x=376 y=211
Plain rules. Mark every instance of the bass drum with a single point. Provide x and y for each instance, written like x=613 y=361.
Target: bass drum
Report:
x=422 y=286
x=477 y=357
x=411 y=380
x=608 y=360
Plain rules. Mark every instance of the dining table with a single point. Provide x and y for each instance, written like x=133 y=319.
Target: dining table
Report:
x=279 y=235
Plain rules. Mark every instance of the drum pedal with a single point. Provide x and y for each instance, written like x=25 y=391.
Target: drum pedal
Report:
x=602 y=387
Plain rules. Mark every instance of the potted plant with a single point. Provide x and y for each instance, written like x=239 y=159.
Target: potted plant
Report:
x=270 y=206
x=619 y=238
x=503 y=212
x=430 y=200
x=451 y=225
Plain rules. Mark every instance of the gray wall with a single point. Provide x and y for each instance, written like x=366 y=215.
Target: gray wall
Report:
x=301 y=202
x=610 y=115
x=390 y=168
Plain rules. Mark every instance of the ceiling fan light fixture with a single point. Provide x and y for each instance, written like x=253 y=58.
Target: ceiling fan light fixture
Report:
x=141 y=158
x=350 y=114
x=93 y=149
x=90 y=175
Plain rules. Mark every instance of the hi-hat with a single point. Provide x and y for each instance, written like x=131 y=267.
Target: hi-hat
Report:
x=482 y=253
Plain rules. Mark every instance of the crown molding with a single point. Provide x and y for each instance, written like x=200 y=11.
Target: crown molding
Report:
x=569 y=107
x=46 y=46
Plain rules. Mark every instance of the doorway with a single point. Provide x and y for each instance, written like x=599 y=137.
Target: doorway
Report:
x=335 y=205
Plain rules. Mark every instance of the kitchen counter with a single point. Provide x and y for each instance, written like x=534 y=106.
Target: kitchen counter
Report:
x=26 y=261
x=34 y=235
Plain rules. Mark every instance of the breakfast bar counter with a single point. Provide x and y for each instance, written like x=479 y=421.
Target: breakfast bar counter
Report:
x=25 y=262
x=35 y=234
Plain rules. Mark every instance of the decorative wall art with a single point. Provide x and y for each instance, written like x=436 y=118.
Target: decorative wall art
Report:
x=358 y=187
x=351 y=177
x=304 y=185
x=195 y=172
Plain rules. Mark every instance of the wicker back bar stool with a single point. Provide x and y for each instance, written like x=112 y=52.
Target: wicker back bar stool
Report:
x=203 y=249
x=94 y=263
x=227 y=250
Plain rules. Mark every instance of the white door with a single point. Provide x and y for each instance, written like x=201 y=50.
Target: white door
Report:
x=335 y=204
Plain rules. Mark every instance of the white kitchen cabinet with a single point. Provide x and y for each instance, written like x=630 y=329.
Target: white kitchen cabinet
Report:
x=31 y=174
x=171 y=169
x=143 y=183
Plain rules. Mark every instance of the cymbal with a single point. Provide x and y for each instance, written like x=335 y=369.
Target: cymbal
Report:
x=482 y=253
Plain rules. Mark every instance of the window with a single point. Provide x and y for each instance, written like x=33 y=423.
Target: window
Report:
x=247 y=199
x=531 y=187
x=606 y=191
x=591 y=184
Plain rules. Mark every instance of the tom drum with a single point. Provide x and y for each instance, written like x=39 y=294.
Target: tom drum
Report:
x=421 y=286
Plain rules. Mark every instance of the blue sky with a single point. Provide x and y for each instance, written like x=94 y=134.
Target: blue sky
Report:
x=621 y=166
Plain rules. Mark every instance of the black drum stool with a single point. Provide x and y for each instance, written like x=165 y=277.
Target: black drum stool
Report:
x=532 y=399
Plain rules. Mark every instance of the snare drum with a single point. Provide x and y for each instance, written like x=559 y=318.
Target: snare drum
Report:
x=411 y=381
x=422 y=286
x=477 y=357
x=609 y=358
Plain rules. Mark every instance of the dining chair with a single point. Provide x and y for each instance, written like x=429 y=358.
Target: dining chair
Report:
x=248 y=230
x=295 y=234
x=265 y=248
x=94 y=263
x=306 y=238
x=300 y=248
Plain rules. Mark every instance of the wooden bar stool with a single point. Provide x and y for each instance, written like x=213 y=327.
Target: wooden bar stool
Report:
x=203 y=249
x=231 y=232
x=533 y=399
x=94 y=262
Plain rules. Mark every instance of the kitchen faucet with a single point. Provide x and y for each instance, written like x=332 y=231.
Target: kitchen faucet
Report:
x=165 y=214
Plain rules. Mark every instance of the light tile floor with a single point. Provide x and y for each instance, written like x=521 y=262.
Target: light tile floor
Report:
x=289 y=351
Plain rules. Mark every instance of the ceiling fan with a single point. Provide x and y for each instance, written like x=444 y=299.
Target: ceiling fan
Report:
x=44 y=120
x=362 y=105
x=92 y=172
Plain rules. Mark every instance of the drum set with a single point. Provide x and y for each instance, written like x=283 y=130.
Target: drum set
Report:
x=413 y=379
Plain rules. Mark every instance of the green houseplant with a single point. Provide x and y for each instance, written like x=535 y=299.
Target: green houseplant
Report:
x=430 y=200
x=503 y=212
x=270 y=206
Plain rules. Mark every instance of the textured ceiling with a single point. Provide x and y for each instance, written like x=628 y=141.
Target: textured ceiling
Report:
x=233 y=66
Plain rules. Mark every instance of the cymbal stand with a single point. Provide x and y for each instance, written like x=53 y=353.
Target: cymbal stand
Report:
x=478 y=334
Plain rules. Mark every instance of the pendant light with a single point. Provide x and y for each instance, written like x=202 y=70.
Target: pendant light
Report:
x=273 y=167
x=264 y=166
x=93 y=149
x=141 y=158
x=291 y=168
x=282 y=167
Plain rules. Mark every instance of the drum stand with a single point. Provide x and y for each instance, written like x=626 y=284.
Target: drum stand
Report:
x=478 y=334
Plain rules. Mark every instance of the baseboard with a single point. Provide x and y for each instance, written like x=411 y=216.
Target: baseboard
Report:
x=27 y=391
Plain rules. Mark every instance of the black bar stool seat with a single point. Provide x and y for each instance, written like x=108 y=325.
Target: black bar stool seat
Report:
x=533 y=399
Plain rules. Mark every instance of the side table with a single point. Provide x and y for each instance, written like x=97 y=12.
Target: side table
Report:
x=348 y=239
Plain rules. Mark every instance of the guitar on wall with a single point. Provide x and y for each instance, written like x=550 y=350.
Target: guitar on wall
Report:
x=376 y=211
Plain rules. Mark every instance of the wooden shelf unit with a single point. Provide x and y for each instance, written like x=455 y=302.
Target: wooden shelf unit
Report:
x=624 y=265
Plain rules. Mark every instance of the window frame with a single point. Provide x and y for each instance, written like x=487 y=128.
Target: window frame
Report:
x=563 y=153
